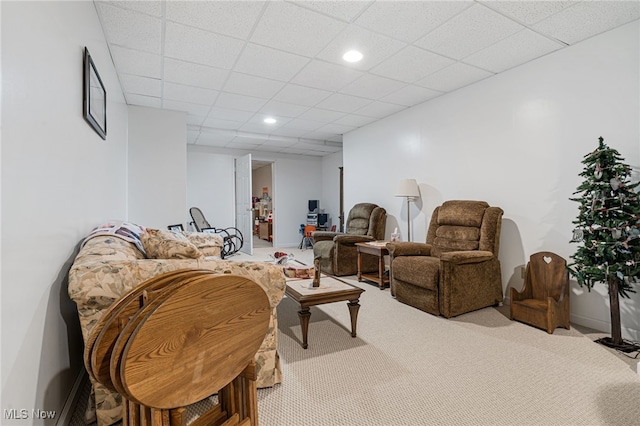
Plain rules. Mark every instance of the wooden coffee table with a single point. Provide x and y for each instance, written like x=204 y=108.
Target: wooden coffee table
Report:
x=331 y=290
x=378 y=249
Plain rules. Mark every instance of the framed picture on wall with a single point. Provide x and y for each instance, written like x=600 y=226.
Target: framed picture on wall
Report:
x=94 y=102
x=176 y=228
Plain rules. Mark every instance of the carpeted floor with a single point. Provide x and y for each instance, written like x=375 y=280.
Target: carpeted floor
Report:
x=407 y=367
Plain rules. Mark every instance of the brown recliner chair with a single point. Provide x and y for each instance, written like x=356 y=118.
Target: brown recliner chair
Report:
x=457 y=270
x=338 y=252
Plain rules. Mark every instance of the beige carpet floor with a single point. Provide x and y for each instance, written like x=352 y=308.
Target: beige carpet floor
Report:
x=407 y=367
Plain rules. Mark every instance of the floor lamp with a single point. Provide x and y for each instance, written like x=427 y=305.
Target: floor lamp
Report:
x=408 y=188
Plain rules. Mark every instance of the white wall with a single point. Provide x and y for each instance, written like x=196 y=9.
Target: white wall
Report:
x=260 y=178
x=157 y=167
x=296 y=181
x=330 y=200
x=515 y=140
x=59 y=180
x=210 y=183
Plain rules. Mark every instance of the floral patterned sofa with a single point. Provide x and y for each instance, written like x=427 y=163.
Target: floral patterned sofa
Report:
x=110 y=264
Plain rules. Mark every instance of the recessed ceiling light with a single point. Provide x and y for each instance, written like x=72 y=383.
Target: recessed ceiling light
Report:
x=270 y=120
x=352 y=56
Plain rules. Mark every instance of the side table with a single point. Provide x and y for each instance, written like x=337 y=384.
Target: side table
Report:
x=375 y=248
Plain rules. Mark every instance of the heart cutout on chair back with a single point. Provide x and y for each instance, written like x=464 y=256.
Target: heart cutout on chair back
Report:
x=547 y=259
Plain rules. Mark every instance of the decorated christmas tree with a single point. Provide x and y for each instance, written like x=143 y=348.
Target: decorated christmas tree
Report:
x=607 y=230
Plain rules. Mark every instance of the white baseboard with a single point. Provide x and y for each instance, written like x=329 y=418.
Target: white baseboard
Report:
x=72 y=400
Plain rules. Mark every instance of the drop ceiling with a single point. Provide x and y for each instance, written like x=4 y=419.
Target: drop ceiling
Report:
x=231 y=64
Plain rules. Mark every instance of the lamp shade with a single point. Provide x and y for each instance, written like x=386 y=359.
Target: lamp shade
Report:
x=408 y=188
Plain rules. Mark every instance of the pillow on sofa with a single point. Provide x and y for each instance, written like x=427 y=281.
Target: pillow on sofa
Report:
x=208 y=244
x=161 y=244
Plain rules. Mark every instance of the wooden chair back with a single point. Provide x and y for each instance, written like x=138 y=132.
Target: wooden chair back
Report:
x=547 y=276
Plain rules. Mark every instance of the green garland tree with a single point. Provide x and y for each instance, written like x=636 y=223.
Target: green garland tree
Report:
x=607 y=229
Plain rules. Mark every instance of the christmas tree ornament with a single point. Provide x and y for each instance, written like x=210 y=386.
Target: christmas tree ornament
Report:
x=578 y=235
x=598 y=172
x=615 y=183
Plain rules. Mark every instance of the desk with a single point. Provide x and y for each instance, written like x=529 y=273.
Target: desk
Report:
x=379 y=249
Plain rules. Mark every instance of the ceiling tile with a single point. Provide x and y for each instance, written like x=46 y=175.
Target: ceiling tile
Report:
x=269 y=63
x=300 y=95
x=142 y=85
x=153 y=8
x=470 y=31
x=192 y=136
x=294 y=29
x=372 y=87
x=201 y=47
x=230 y=114
x=250 y=85
x=411 y=95
x=137 y=62
x=241 y=102
x=194 y=120
x=261 y=128
x=345 y=10
x=453 y=77
x=379 y=109
x=283 y=108
x=411 y=64
x=304 y=124
x=194 y=74
x=321 y=136
x=354 y=120
x=141 y=100
x=195 y=109
x=216 y=123
x=240 y=145
x=588 y=18
x=131 y=29
x=255 y=141
x=408 y=20
x=214 y=138
x=233 y=18
x=374 y=48
x=336 y=128
x=528 y=12
x=279 y=142
x=289 y=132
x=512 y=51
x=319 y=114
x=194 y=95
x=343 y=103
x=325 y=76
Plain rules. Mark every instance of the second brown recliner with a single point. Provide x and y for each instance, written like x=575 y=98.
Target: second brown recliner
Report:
x=338 y=252
x=457 y=270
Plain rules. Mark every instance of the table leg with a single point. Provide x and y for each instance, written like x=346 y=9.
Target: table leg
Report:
x=381 y=271
x=354 y=306
x=304 y=315
x=359 y=266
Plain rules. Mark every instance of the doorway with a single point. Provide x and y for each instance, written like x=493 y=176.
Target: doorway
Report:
x=262 y=196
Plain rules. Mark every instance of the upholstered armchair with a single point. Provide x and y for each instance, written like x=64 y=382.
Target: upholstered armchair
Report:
x=457 y=270
x=338 y=252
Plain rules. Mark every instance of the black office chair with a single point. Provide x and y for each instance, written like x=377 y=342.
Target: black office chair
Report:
x=232 y=237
